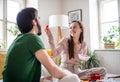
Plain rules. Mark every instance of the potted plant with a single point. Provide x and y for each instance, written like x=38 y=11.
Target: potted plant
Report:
x=92 y=62
x=117 y=43
x=108 y=43
x=111 y=37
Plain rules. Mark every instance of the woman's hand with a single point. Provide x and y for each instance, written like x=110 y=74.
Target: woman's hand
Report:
x=47 y=30
x=83 y=58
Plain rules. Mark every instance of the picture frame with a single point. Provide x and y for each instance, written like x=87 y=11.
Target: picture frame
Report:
x=75 y=15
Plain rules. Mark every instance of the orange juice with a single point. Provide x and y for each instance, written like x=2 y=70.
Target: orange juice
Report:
x=49 y=51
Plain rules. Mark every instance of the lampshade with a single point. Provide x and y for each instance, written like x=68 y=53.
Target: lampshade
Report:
x=58 y=20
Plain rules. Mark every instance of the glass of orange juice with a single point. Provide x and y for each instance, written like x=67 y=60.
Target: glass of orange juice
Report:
x=49 y=51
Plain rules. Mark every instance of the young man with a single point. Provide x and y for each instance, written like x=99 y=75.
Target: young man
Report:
x=27 y=52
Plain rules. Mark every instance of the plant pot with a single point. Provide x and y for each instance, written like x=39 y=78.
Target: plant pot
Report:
x=109 y=45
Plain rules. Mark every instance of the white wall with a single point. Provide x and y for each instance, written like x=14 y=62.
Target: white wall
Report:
x=32 y=3
x=110 y=59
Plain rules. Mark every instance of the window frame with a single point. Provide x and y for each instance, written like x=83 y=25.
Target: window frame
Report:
x=100 y=23
x=5 y=21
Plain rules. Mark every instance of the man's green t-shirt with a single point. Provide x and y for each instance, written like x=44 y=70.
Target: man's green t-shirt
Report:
x=21 y=64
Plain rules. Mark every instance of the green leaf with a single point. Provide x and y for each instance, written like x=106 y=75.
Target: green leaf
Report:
x=92 y=62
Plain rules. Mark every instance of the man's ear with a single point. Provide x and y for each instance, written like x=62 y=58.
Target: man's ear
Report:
x=34 y=22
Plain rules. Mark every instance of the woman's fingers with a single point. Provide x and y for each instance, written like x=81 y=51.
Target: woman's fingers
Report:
x=47 y=30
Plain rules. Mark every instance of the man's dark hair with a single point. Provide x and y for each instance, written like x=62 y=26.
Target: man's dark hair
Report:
x=24 y=19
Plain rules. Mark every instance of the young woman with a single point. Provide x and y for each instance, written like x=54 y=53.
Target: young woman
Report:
x=73 y=50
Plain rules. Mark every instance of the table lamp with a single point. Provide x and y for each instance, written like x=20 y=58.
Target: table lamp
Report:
x=59 y=22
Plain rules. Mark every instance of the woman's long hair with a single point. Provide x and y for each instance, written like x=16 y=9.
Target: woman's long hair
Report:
x=71 y=42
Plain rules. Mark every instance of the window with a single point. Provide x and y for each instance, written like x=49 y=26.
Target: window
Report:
x=11 y=18
x=1 y=25
x=8 y=12
x=1 y=9
x=16 y=6
x=108 y=16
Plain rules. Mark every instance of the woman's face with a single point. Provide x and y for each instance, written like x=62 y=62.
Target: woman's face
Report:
x=75 y=29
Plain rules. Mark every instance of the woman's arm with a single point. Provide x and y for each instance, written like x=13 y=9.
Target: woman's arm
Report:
x=83 y=56
x=56 y=49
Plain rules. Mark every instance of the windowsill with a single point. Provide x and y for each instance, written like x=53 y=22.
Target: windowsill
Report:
x=107 y=50
x=3 y=50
